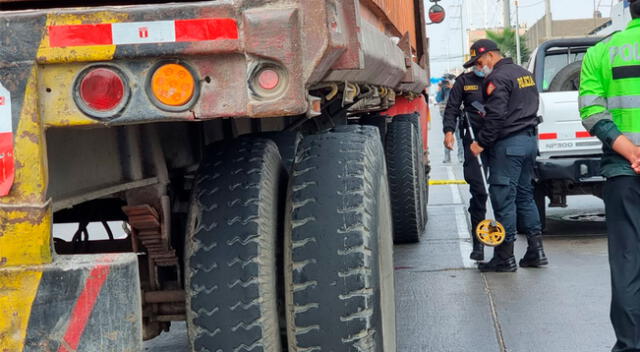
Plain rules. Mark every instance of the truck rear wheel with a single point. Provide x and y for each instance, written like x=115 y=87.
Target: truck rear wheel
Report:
x=423 y=171
x=287 y=143
x=338 y=245
x=231 y=247
x=405 y=184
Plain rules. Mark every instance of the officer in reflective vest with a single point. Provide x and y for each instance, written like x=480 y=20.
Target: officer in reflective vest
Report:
x=509 y=137
x=467 y=90
x=610 y=109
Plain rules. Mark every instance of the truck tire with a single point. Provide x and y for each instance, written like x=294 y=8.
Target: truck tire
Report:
x=423 y=172
x=403 y=168
x=338 y=245
x=379 y=121
x=287 y=143
x=231 y=245
x=567 y=79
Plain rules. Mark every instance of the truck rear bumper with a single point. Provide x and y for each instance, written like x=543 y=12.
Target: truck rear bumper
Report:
x=76 y=303
x=577 y=170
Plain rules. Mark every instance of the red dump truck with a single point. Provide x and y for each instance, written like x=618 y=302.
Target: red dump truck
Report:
x=248 y=164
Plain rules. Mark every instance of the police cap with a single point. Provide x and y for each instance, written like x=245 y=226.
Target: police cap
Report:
x=480 y=48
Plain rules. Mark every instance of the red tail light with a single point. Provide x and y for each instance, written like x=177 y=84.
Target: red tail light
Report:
x=268 y=79
x=101 y=92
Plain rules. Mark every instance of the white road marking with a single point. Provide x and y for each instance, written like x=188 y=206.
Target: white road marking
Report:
x=455 y=192
x=464 y=244
x=463 y=233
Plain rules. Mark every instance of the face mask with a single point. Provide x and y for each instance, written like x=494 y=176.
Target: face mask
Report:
x=487 y=70
x=478 y=73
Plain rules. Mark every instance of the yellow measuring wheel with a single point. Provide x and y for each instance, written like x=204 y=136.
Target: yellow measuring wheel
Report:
x=491 y=233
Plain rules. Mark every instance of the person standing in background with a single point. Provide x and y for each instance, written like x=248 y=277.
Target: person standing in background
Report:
x=610 y=110
x=466 y=90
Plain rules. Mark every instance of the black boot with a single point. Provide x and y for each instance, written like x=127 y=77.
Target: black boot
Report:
x=535 y=256
x=478 y=250
x=502 y=261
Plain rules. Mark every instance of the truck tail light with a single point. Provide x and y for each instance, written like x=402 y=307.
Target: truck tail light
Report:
x=268 y=81
x=101 y=92
x=172 y=85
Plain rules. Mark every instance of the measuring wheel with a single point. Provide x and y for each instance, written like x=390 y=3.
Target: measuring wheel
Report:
x=491 y=233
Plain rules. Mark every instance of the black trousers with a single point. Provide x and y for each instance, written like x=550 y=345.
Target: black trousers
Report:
x=511 y=162
x=472 y=175
x=622 y=205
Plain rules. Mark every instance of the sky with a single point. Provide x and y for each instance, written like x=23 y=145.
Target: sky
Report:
x=446 y=40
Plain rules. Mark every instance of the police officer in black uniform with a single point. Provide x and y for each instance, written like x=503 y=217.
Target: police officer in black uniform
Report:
x=509 y=137
x=466 y=90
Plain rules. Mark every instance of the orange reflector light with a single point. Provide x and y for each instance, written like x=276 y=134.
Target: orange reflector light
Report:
x=173 y=84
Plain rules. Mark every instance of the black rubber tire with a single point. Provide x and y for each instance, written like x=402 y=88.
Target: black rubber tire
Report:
x=404 y=182
x=567 y=79
x=540 y=197
x=379 y=121
x=231 y=244
x=423 y=175
x=287 y=143
x=338 y=245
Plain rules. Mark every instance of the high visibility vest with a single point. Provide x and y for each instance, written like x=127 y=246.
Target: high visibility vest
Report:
x=610 y=82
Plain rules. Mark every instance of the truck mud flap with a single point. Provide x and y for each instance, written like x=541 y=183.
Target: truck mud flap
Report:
x=77 y=303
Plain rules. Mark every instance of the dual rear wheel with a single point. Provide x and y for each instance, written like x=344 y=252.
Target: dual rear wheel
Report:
x=311 y=254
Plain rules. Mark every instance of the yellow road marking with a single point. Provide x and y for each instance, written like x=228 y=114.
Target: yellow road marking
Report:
x=447 y=182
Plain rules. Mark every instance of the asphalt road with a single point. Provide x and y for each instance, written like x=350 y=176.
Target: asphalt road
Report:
x=445 y=305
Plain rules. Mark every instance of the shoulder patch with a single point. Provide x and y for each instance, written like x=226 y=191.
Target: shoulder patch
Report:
x=490 y=88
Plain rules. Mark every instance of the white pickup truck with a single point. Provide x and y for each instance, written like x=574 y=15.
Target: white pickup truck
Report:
x=569 y=160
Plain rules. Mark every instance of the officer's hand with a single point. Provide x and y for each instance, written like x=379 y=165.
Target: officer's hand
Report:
x=476 y=149
x=449 y=140
x=635 y=163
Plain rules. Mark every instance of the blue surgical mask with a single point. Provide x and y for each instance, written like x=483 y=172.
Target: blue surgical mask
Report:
x=478 y=73
x=487 y=70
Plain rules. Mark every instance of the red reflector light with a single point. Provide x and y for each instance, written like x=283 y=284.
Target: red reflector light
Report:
x=102 y=89
x=548 y=136
x=268 y=79
x=583 y=134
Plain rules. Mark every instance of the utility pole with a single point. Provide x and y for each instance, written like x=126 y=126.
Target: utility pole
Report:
x=506 y=13
x=518 y=55
x=462 y=43
x=547 y=20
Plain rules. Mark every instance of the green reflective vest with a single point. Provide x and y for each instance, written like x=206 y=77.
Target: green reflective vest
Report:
x=610 y=94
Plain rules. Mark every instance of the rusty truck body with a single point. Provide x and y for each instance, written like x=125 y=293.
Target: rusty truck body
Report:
x=248 y=164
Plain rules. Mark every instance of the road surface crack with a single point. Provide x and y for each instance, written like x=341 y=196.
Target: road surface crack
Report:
x=494 y=314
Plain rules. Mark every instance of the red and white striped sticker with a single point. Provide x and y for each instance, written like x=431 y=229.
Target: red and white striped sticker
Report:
x=193 y=30
x=553 y=135
x=6 y=143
